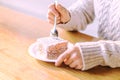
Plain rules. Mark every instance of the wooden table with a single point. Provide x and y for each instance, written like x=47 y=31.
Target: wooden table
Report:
x=18 y=31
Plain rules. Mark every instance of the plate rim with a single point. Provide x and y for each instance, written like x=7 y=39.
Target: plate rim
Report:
x=32 y=53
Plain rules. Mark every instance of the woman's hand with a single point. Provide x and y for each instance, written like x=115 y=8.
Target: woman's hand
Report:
x=60 y=12
x=71 y=57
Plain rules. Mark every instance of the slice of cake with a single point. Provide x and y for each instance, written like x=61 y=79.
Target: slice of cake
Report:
x=52 y=46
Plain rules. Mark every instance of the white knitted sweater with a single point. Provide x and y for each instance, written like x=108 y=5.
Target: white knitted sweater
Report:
x=105 y=52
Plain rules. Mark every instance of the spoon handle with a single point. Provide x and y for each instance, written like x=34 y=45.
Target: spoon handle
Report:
x=55 y=18
x=56 y=2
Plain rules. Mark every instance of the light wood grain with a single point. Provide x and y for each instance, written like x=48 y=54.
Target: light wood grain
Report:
x=18 y=31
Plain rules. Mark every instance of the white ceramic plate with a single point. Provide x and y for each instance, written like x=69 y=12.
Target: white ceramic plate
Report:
x=35 y=52
x=38 y=55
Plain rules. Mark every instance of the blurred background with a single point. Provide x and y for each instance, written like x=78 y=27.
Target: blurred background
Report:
x=38 y=8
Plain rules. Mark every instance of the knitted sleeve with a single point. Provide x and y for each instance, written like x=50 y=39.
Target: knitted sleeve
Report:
x=82 y=13
x=105 y=53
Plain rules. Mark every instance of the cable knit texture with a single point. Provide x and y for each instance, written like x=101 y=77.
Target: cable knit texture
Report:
x=107 y=13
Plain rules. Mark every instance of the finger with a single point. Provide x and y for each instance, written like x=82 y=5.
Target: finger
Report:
x=61 y=58
x=52 y=21
x=58 y=21
x=60 y=9
x=70 y=59
x=78 y=67
x=76 y=64
x=64 y=57
x=53 y=10
x=50 y=16
x=73 y=64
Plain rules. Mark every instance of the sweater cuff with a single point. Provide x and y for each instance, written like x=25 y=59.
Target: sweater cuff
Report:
x=91 y=54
